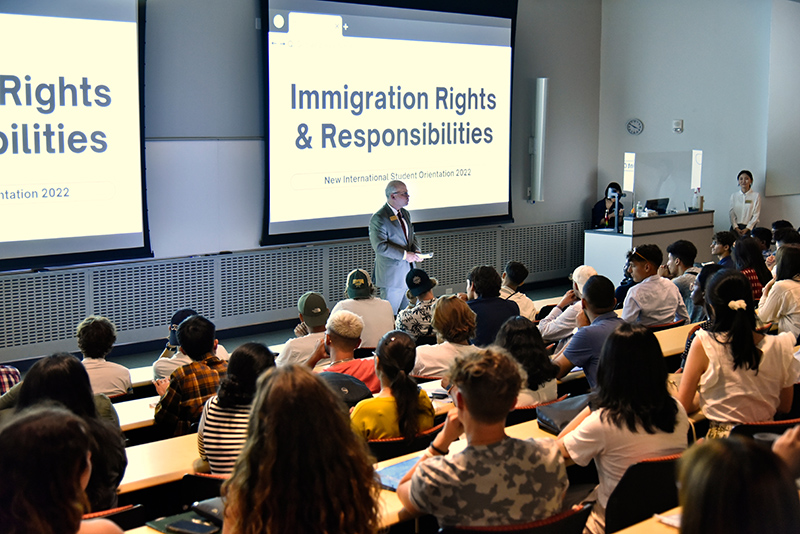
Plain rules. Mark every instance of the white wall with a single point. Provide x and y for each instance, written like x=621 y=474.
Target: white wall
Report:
x=204 y=119
x=703 y=61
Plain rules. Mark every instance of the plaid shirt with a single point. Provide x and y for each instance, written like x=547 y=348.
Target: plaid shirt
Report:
x=8 y=377
x=190 y=386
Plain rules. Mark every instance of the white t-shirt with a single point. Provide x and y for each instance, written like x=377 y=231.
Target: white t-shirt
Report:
x=377 y=315
x=614 y=449
x=782 y=304
x=654 y=300
x=300 y=349
x=435 y=360
x=546 y=392
x=742 y=396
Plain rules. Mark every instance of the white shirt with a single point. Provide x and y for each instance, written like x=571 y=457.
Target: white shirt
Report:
x=435 y=360
x=546 y=392
x=744 y=396
x=107 y=377
x=745 y=209
x=560 y=324
x=526 y=305
x=163 y=367
x=614 y=449
x=782 y=304
x=300 y=349
x=377 y=314
x=655 y=300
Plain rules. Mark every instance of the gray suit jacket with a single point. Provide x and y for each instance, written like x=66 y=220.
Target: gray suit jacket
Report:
x=389 y=244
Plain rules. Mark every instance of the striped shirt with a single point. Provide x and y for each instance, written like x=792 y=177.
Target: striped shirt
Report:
x=222 y=434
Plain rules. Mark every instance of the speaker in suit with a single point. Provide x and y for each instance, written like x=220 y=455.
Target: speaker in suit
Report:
x=395 y=249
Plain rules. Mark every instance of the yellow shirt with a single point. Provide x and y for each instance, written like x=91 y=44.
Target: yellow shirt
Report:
x=376 y=418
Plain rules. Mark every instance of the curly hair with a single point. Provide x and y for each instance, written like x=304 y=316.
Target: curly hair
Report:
x=301 y=470
x=96 y=336
x=453 y=319
x=485 y=281
x=489 y=380
x=520 y=337
x=43 y=455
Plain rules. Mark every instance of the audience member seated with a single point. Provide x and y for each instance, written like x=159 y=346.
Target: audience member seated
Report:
x=632 y=416
x=520 y=337
x=223 y=424
x=513 y=277
x=454 y=323
x=189 y=387
x=62 y=378
x=496 y=479
x=416 y=320
x=763 y=237
x=9 y=377
x=736 y=486
x=625 y=284
x=722 y=247
x=783 y=236
x=600 y=321
x=562 y=320
x=96 y=337
x=342 y=338
x=780 y=224
x=483 y=296
x=743 y=376
x=302 y=469
x=171 y=358
x=401 y=409
x=313 y=314
x=748 y=259
x=699 y=300
x=653 y=300
x=45 y=463
x=376 y=313
x=681 y=270
x=780 y=301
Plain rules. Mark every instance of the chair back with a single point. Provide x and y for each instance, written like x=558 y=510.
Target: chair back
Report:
x=647 y=487
x=386 y=448
x=201 y=486
x=125 y=517
x=774 y=427
x=521 y=414
x=666 y=326
x=570 y=522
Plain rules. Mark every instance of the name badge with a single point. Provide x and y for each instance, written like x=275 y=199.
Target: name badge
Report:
x=748 y=201
x=393 y=218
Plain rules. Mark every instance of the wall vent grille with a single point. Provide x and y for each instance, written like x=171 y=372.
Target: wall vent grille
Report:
x=145 y=295
x=41 y=308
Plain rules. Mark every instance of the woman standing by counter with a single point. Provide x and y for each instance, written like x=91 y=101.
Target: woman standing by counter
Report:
x=745 y=205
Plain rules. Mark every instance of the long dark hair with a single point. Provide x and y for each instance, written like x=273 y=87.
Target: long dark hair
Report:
x=736 y=486
x=61 y=378
x=42 y=458
x=244 y=367
x=747 y=254
x=787 y=264
x=632 y=382
x=730 y=299
x=520 y=337
x=294 y=456
x=395 y=354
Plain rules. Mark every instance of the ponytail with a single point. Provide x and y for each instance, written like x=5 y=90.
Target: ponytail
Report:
x=396 y=353
x=731 y=299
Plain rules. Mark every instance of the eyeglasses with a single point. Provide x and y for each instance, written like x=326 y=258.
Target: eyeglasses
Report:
x=635 y=252
x=401 y=193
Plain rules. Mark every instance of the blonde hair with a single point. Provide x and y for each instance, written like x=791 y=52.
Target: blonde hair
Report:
x=453 y=319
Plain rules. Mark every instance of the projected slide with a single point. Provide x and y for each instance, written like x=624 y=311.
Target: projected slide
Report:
x=70 y=160
x=361 y=95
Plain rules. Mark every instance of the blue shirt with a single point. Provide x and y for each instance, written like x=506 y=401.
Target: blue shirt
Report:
x=490 y=313
x=584 y=349
x=727 y=262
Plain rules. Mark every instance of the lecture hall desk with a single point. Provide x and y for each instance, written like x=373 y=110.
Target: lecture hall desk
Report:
x=391 y=510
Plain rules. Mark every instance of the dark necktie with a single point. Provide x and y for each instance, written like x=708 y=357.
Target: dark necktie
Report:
x=403 y=224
